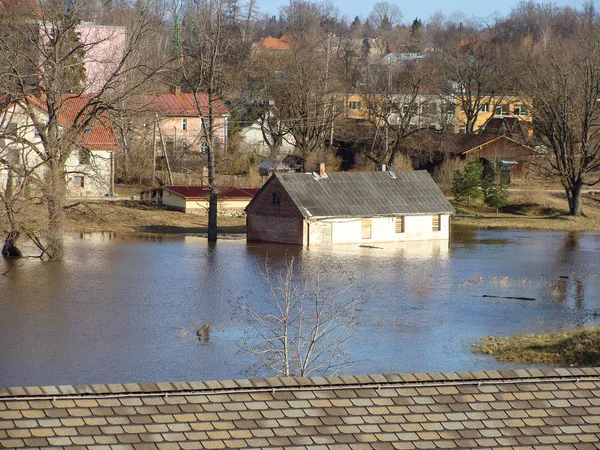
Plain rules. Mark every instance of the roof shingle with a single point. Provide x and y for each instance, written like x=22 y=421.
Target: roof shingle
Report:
x=464 y=410
x=365 y=194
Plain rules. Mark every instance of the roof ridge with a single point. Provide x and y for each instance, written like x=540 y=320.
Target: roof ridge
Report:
x=301 y=383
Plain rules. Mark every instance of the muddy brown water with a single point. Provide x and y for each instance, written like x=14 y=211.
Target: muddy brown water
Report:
x=126 y=308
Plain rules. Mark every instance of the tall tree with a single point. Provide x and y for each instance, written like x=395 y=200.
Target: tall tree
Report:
x=214 y=52
x=563 y=82
x=473 y=71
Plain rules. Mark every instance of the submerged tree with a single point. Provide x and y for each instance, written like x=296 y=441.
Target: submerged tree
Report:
x=300 y=326
x=44 y=79
x=214 y=50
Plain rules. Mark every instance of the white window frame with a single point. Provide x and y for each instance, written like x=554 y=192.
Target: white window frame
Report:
x=184 y=123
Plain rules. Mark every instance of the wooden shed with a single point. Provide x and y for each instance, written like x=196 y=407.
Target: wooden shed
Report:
x=348 y=207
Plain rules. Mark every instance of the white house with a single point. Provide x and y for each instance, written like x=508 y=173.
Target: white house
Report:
x=89 y=168
x=348 y=207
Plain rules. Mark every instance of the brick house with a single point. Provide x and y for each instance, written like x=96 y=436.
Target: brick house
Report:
x=348 y=207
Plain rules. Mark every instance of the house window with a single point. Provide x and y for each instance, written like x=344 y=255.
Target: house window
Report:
x=184 y=124
x=84 y=157
x=500 y=110
x=435 y=223
x=203 y=148
x=354 y=106
x=399 y=224
x=366 y=229
x=520 y=110
x=79 y=181
x=448 y=108
x=276 y=198
x=485 y=108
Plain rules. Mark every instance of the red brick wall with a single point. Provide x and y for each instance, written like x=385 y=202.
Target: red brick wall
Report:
x=284 y=230
x=274 y=223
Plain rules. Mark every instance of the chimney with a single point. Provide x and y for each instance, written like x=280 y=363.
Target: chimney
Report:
x=321 y=169
x=381 y=168
x=176 y=90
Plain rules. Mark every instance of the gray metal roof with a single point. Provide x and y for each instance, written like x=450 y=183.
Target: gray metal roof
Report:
x=365 y=194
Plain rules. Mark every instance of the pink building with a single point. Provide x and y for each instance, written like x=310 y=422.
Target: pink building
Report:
x=105 y=47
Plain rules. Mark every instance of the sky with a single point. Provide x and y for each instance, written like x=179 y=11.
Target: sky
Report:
x=422 y=9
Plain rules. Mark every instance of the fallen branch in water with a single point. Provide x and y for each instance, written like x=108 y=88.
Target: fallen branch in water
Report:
x=511 y=298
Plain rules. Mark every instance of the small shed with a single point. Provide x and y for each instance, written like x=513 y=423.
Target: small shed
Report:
x=348 y=207
x=194 y=199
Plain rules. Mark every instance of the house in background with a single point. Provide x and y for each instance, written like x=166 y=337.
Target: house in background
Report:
x=180 y=118
x=348 y=208
x=425 y=110
x=89 y=168
x=194 y=199
x=428 y=149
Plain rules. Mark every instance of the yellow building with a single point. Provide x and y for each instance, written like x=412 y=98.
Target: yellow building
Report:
x=497 y=106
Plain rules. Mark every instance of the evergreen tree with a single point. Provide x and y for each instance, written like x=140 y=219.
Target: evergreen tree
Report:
x=467 y=183
x=495 y=190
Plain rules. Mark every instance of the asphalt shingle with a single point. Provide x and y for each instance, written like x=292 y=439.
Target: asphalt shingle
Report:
x=464 y=410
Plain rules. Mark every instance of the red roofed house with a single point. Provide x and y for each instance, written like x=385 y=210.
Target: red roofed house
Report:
x=89 y=169
x=180 y=122
x=194 y=199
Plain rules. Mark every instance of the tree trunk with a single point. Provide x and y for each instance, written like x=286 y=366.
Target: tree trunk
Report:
x=213 y=196
x=574 y=198
x=55 y=197
x=10 y=249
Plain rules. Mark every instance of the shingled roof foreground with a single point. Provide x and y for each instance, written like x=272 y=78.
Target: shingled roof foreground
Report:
x=364 y=194
x=506 y=409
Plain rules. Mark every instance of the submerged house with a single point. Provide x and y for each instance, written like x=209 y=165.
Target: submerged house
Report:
x=348 y=207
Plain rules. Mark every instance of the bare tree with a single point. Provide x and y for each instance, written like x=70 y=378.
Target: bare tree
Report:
x=563 y=82
x=473 y=70
x=399 y=102
x=214 y=51
x=305 y=94
x=299 y=328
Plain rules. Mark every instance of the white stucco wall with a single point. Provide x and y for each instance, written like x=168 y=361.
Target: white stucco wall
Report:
x=253 y=136
x=383 y=229
x=96 y=174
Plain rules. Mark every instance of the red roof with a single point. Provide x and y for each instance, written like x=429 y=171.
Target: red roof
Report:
x=203 y=191
x=99 y=134
x=184 y=104
x=271 y=43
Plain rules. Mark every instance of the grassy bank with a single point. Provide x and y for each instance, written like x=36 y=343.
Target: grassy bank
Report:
x=564 y=348
x=542 y=210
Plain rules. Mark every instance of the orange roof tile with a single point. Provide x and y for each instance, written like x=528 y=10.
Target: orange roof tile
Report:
x=271 y=43
x=99 y=134
x=184 y=104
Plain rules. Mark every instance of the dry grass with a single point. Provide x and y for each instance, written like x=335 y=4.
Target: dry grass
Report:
x=573 y=347
x=542 y=210
x=126 y=216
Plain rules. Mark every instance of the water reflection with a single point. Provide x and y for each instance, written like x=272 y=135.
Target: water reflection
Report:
x=128 y=308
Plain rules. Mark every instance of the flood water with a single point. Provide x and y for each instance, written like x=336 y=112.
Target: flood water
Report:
x=126 y=308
